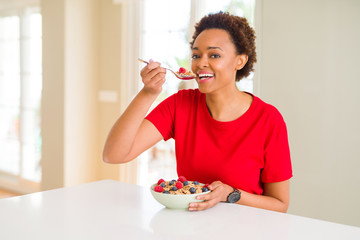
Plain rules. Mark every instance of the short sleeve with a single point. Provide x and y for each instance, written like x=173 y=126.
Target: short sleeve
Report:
x=277 y=160
x=163 y=115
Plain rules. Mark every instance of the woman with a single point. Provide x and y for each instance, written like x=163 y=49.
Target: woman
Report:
x=223 y=136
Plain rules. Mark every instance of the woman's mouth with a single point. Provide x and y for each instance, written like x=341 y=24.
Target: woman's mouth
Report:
x=205 y=77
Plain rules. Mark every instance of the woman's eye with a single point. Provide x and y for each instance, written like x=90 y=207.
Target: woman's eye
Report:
x=194 y=56
x=215 y=56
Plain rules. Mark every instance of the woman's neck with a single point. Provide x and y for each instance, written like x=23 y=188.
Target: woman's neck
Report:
x=228 y=105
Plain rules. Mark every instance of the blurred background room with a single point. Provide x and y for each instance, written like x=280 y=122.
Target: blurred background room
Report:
x=68 y=69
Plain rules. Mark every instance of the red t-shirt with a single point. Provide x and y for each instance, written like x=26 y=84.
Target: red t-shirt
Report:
x=244 y=153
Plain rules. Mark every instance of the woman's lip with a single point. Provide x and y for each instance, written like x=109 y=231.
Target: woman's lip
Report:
x=204 y=72
x=205 y=80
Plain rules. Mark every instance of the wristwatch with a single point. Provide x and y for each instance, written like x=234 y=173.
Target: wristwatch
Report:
x=234 y=196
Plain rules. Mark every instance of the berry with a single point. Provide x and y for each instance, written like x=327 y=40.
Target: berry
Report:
x=186 y=183
x=182 y=179
x=166 y=192
x=174 y=188
x=179 y=185
x=206 y=185
x=158 y=189
x=160 y=181
x=205 y=189
x=192 y=190
x=172 y=182
x=162 y=184
x=196 y=183
x=182 y=70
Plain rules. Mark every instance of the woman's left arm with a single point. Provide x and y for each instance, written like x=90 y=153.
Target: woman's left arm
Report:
x=275 y=197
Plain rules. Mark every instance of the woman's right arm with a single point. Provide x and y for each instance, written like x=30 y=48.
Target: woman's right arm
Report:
x=132 y=134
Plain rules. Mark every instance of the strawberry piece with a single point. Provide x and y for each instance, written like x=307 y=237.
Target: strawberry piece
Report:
x=160 y=181
x=179 y=185
x=158 y=189
x=182 y=70
x=182 y=179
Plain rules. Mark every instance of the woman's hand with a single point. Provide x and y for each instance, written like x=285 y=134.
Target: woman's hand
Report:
x=219 y=193
x=131 y=127
x=153 y=77
x=275 y=197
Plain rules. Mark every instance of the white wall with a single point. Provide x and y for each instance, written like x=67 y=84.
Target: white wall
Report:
x=70 y=110
x=82 y=55
x=82 y=151
x=110 y=75
x=52 y=108
x=309 y=69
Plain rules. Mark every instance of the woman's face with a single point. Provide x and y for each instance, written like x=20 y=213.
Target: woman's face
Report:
x=215 y=60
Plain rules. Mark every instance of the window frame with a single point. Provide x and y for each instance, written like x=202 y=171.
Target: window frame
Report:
x=10 y=181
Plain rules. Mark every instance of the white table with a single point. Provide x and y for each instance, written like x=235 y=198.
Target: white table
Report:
x=114 y=210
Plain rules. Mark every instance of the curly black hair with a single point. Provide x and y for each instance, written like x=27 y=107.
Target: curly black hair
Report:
x=242 y=35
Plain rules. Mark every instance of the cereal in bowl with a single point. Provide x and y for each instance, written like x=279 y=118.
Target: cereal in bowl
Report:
x=180 y=186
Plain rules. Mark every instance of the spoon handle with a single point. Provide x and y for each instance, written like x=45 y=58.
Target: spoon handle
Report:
x=143 y=61
x=176 y=74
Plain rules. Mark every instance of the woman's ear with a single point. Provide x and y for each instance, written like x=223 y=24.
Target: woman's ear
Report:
x=241 y=61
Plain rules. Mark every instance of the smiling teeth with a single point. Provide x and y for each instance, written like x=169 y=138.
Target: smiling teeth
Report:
x=205 y=75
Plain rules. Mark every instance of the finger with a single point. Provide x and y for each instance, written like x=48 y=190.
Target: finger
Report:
x=199 y=206
x=153 y=78
x=214 y=185
x=149 y=67
x=150 y=74
x=155 y=85
x=157 y=70
x=159 y=83
x=157 y=79
x=153 y=65
x=207 y=196
x=146 y=71
x=210 y=200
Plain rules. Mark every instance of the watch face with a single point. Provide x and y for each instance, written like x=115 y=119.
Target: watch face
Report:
x=234 y=197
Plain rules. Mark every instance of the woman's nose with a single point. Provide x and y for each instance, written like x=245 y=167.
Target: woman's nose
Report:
x=203 y=62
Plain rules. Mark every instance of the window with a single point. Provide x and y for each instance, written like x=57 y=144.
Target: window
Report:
x=167 y=28
x=20 y=98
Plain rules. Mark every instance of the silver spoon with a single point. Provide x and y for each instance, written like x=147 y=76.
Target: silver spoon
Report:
x=180 y=76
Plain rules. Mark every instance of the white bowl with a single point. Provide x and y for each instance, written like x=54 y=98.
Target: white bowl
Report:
x=179 y=201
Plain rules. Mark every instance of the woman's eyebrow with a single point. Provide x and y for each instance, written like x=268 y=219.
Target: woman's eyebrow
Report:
x=214 y=48
x=208 y=48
